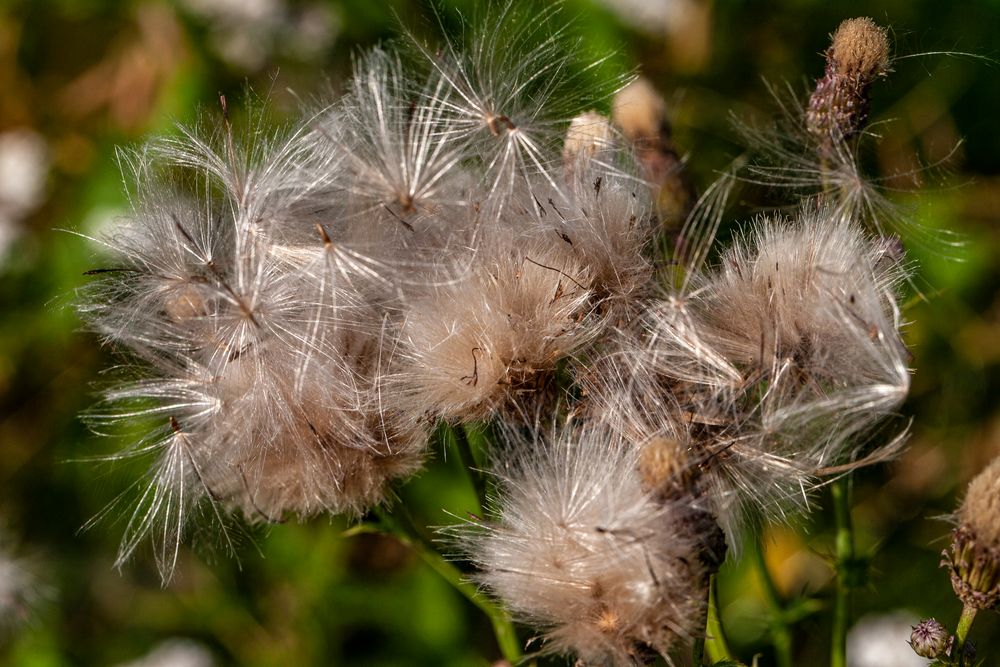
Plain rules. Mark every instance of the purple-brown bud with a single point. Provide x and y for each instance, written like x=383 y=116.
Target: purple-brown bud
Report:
x=930 y=639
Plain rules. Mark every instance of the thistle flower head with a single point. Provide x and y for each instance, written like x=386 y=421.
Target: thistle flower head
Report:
x=773 y=370
x=250 y=353
x=839 y=105
x=974 y=554
x=491 y=340
x=579 y=549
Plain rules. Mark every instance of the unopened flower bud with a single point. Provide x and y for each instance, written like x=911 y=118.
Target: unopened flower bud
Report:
x=930 y=639
x=858 y=54
x=974 y=554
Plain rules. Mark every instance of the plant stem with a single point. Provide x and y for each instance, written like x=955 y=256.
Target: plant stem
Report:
x=468 y=459
x=962 y=632
x=781 y=635
x=698 y=652
x=846 y=562
x=715 y=636
x=410 y=536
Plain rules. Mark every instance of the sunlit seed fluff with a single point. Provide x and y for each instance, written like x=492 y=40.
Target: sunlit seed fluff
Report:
x=512 y=78
x=491 y=340
x=577 y=548
x=258 y=362
x=674 y=397
x=812 y=305
x=392 y=142
x=604 y=222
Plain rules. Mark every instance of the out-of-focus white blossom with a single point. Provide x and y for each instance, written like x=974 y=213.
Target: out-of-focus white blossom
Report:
x=883 y=640
x=24 y=166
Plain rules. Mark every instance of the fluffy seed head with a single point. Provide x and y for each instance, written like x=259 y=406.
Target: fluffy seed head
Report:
x=491 y=340
x=579 y=549
x=254 y=353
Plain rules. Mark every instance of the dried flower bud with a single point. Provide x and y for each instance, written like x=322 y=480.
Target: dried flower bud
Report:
x=974 y=555
x=838 y=107
x=930 y=639
x=640 y=112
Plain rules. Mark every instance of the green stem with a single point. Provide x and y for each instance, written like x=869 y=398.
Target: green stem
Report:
x=846 y=562
x=964 y=625
x=715 y=637
x=781 y=634
x=698 y=652
x=411 y=537
x=468 y=459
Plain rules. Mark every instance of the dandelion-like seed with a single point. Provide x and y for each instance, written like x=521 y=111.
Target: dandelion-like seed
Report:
x=491 y=342
x=578 y=548
x=259 y=377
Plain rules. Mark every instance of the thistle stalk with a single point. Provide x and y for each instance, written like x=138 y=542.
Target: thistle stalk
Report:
x=781 y=635
x=407 y=533
x=715 y=637
x=846 y=561
x=962 y=633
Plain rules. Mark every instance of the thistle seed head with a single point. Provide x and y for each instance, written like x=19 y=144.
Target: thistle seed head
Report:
x=973 y=557
x=578 y=548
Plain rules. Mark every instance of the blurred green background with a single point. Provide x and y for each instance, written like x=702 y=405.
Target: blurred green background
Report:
x=80 y=77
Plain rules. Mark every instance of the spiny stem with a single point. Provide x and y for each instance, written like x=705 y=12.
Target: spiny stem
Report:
x=409 y=535
x=846 y=562
x=781 y=635
x=715 y=636
x=962 y=633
